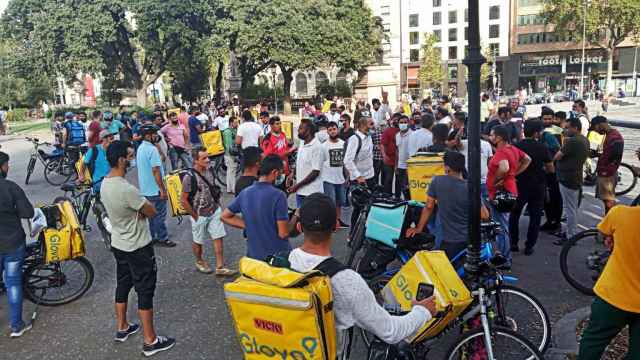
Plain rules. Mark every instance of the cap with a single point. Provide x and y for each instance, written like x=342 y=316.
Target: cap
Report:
x=365 y=114
x=598 y=120
x=318 y=213
x=104 y=133
x=68 y=114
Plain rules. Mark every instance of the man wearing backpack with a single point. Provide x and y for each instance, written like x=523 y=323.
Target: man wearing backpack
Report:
x=353 y=301
x=74 y=136
x=96 y=161
x=358 y=159
x=201 y=198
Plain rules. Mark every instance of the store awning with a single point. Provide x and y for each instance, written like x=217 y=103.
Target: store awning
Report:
x=412 y=75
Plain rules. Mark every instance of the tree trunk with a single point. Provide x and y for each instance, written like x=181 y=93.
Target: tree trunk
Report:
x=141 y=96
x=609 y=85
x=287 y=75
x=219 y=74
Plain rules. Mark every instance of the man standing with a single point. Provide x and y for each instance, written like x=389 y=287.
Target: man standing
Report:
x=421 y=138
x=195 y=127
x=96 y=161
x=201 y=199
x=442 y=116
x=230 y=153
x=132 y=249
x=14 y=206
x=376 y=138
x=504 y=119
x=308 y=163
x=249 y=133
x=264 y=123
x=221 y=122
x=346 y=130
x=93 y=133
x=74 y=136
x=553 y=202
x=150 y=175
x=267 y=226
x=390 y=156
x=275 y=142
x=250 y=168
x=569 y=163
x=579 y=109
x=177 y=139
x=402 y=142
x=381 y=110
x=487 y=110
x=617 y=302
x=531 y=186
x=608 y=162
x=333 y=170
x=333 y=115
x=358 y=160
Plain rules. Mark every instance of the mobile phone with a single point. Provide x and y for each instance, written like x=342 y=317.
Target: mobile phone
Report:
x=424 y=291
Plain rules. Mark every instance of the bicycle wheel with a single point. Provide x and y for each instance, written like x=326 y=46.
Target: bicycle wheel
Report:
x=520 y=311
x=505 y=343
x=104 y=224
x=582 y=259
x=627 y=179
x=376 y=285
x=357 y=239
x=57 y=172
x=30 y=168
x=636 y=201
x=58 y=283
x=220 y=171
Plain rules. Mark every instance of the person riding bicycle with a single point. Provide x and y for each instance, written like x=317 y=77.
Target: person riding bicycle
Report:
x=96 y=161
x=354 y=303
x=14 y=206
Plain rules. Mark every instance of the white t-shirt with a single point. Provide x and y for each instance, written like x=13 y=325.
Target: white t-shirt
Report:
x=333 y=118
x=362 y=164
x=402 y=142
x=250 y=132
x=486 y=152
x=445 y=120
x=221 y=122
x=203 y=118
x=420 y=138
x=309 y=158
x=333 y=155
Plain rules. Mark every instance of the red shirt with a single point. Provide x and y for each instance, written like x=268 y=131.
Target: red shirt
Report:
x=513 y=155
x=388 y=141
x=607 y=162
x=276 y=144
x=94 y=129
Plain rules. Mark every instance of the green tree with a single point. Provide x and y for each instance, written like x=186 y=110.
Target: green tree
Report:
x=608 y=23
x=431 y=72
x=137 y=38
x=485 y=70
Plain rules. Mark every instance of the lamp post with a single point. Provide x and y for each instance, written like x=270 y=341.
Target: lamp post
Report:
x=584 y=36
x=635 y=73
x=275 y=94
x=474 y=61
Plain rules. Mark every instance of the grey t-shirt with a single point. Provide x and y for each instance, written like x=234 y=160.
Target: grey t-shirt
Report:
x=129 y=230
x=452 y=198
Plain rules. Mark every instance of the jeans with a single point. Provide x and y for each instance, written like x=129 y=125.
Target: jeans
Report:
x=157 y=224
x=336 y=192
x=377 y=171
x=533 y=198
x=570 y=206
x=179 y=155
x=230 y=162
x=502 y=239
x=553 y=204
x=12 y=265
x=388 y=177
x=605 y=323
x=403 y=180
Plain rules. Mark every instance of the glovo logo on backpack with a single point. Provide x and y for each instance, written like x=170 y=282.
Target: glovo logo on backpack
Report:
x=282 y=314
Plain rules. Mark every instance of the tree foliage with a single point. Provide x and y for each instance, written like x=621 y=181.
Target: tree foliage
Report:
x=431 y=72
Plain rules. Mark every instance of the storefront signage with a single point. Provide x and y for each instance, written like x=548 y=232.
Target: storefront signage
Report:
x=577 y=59
x=530 y=65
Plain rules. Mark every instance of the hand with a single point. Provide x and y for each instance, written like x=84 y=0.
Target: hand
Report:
x=411 y=232
x=361 y=180
x=163 y=194
x=428 y=303
x=608 y=242
x=292 y=189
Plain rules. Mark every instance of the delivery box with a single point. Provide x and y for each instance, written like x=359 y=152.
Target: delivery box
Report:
x=63 y=237
x=287 y=129
x=212 y=141
x=421 y=168
x=432 y=268
x=173 y=182
x=87 y=173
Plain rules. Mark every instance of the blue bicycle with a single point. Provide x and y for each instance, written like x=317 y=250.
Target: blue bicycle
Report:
x=379 y=248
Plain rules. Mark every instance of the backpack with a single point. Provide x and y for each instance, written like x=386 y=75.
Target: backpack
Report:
x=282 y=313
x=173 y=182
x=215 y=191
x=91 y=166
x=346 y=145
x=75 y=133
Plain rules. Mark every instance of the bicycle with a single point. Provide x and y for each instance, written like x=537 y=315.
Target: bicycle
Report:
x=220 y=169
x=588 y=252
x=626 y=178
x=50 y=161
x=85 y=198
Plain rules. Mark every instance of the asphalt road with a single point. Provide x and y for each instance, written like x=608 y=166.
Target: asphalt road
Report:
x=190 y=306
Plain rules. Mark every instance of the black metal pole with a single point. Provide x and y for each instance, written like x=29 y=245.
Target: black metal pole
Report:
x=474 y=62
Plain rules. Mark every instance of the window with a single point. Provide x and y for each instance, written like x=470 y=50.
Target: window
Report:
x=414 y=55
x=437 y=3
x=494 y=49
x=453 y=34
x=524 y=20
x=466 y=33
x=453 y=52
x=466 y=52
x=494 y=31
x=452 y=71
x=438 y=35
x=494 y=12
x=437 y=18
x=529 y=2
x=385 y=10
x=386 y=27
x=414 y=38
x=538 y=38
x=466 y=15
x=413 y=20
x=453 y=17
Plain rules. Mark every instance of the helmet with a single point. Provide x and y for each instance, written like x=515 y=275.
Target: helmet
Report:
x=107 y=115
x=359 y=195
x=148 y=129
x=68 y=115
x=503 y=201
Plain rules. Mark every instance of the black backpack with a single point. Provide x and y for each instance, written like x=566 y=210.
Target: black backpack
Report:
x=216 y=193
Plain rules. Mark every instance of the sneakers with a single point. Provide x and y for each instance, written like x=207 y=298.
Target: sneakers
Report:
x=515 y=248
x=342 y=225
x=203 y=268
x=122 y=336
x=550 y=227
x=164 y=243
x=21 y=331
x=162 y=343
x=528 y=251
x=223 y=271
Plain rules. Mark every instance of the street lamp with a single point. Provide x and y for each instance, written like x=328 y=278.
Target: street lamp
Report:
x=584 y=40
x=274 y=71
x=635 y=73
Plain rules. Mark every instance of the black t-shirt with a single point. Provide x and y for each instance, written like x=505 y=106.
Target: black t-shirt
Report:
x=244 y=182
x=534 y=175
x=346 y=134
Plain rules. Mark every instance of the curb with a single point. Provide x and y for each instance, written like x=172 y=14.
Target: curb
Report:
x=564 y=335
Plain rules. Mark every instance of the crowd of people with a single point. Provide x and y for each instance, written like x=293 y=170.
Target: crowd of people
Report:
x=532 y=163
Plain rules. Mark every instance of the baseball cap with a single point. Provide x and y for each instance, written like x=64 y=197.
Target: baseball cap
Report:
x=104 y=133
x=318 y=213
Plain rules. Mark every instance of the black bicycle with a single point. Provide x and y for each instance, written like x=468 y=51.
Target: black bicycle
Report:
x=58 y=167
x=583 y=258
x=220 y=169
x=626 y=178
x=84 y=198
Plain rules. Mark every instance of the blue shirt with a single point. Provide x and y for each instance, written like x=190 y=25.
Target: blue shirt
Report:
x=194 y=135
x=260 y=221
x=115 y=126
x=147 y=158
x=101 y=167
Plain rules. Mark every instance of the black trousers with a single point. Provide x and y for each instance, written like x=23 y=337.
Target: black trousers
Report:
x=377 y=171
x=403 y=180
x=388 y=177
x=371 y=184
x=533 y=198
x=553 y=202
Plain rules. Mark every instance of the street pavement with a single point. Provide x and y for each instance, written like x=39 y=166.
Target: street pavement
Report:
x=190 y=306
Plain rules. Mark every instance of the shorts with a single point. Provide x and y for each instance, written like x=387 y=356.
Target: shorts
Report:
x=606 y=188
x=207 y=228
x=337 y=193
x=136 y=269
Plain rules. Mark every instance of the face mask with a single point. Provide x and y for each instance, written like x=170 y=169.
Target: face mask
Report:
x=403 y=127
x=323 y=136
x=340 y=124
x=279 y=180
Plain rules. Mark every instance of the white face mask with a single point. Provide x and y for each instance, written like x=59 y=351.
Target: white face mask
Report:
x=322 y=135
x=403 y=127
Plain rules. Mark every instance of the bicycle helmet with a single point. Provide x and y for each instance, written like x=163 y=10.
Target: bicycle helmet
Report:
x=68 y=115
x=107 y=116
x=503 y=201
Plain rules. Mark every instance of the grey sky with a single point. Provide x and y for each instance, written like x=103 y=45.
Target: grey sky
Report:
x=3 y=5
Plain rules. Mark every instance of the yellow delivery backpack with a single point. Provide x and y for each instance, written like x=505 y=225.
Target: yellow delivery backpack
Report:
x=284 y=314
x=287 y=129
x=429 y=267
x=87 y=173
x=421 y=168
x=63 y=237
x=173 y=183
x=212 y=141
